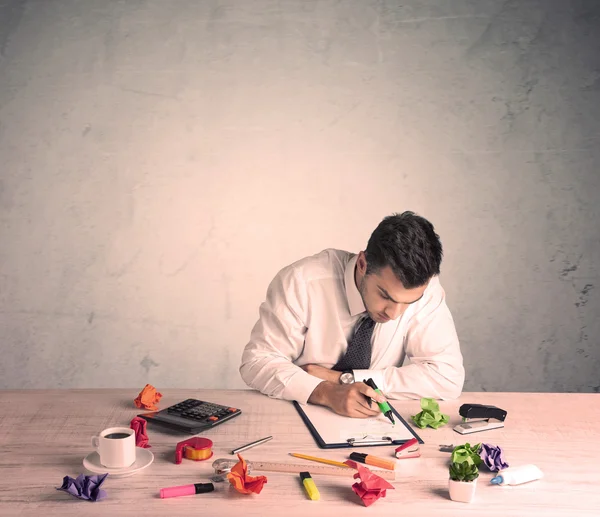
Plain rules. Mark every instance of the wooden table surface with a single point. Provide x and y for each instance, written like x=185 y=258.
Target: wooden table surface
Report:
x=44 y=436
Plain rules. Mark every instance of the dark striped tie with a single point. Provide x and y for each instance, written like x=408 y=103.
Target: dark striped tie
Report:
x=358 y=354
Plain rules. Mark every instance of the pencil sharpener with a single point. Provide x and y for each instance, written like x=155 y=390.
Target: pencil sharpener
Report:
x=223 y=467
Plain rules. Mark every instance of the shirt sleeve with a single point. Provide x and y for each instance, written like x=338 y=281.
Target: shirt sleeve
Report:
x=436 y=363
x=277 y=340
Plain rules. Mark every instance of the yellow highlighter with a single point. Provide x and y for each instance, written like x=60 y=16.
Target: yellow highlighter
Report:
x=309 y=486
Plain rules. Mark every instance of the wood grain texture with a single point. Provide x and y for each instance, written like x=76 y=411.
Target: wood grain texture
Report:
x=44 y=435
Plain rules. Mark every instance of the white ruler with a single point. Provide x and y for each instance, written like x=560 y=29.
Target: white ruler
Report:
x=223 y=465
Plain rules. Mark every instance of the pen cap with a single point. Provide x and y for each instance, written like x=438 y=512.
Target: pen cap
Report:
x=203 y=488
x=357 y=456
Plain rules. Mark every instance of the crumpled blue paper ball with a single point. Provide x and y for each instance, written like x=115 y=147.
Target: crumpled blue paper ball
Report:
x=85 y=487
x=492 y=457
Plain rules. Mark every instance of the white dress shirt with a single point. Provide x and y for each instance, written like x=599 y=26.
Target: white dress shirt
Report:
x=309 y=314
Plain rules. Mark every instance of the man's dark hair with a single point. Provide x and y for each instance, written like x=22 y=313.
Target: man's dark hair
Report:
x=409 y=245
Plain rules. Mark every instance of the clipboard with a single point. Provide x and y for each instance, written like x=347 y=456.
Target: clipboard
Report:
x=332 y=431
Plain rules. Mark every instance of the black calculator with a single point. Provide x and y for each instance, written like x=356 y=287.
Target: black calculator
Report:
x=192 y=416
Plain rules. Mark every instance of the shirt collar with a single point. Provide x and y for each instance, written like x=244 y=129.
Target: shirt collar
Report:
x=355 y=302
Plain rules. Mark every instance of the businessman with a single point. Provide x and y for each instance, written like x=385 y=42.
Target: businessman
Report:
x=332 y=320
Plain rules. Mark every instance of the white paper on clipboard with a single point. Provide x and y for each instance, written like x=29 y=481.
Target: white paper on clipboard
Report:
x=337 y=429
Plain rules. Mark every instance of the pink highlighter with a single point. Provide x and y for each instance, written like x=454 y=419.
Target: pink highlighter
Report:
x=196 y=488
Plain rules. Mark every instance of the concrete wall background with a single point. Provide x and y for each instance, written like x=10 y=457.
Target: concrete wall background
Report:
x=161 y=160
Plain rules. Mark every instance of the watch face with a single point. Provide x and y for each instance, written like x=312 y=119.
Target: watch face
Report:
x=347 y=378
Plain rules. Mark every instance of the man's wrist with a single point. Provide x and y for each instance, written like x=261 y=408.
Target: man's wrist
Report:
x=319 y=395
x=335 y=376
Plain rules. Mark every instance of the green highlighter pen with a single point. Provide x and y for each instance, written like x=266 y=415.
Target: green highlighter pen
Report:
x=384 y=406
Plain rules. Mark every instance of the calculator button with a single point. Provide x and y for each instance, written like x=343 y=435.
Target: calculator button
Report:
x=231 y=410
x=213 y=418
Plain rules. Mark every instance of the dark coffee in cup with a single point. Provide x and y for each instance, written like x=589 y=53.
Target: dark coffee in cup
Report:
x=116 y=436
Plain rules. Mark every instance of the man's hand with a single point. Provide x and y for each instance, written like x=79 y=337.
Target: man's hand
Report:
x=346 y=399
x=322 y=373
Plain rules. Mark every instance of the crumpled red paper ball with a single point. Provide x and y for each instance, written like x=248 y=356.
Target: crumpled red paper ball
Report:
x=141 y=437
x=370 y=487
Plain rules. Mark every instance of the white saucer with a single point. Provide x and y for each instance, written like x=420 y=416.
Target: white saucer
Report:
x=143 y=458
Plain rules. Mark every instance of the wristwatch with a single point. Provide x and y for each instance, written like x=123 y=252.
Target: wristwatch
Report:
x=347 y=377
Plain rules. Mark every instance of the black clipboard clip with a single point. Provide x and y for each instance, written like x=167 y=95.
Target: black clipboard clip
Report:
x=367 y=439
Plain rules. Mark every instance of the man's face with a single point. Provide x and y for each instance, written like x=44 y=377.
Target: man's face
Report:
x=384 y=296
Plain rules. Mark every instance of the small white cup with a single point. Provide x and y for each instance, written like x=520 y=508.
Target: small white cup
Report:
x=116 y=447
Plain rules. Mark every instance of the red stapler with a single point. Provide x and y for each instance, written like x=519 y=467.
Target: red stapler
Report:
x=409 y=449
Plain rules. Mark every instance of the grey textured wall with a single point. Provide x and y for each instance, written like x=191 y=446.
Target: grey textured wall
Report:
x=161 y=160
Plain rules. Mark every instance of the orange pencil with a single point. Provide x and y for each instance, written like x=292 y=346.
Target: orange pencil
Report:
x=320 y=460
x=374 y=460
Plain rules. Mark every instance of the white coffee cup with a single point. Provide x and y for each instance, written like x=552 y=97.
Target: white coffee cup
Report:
x=115 y=446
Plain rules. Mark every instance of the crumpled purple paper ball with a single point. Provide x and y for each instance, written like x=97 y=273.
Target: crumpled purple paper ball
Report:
x=85 y=487
x=492 y=457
